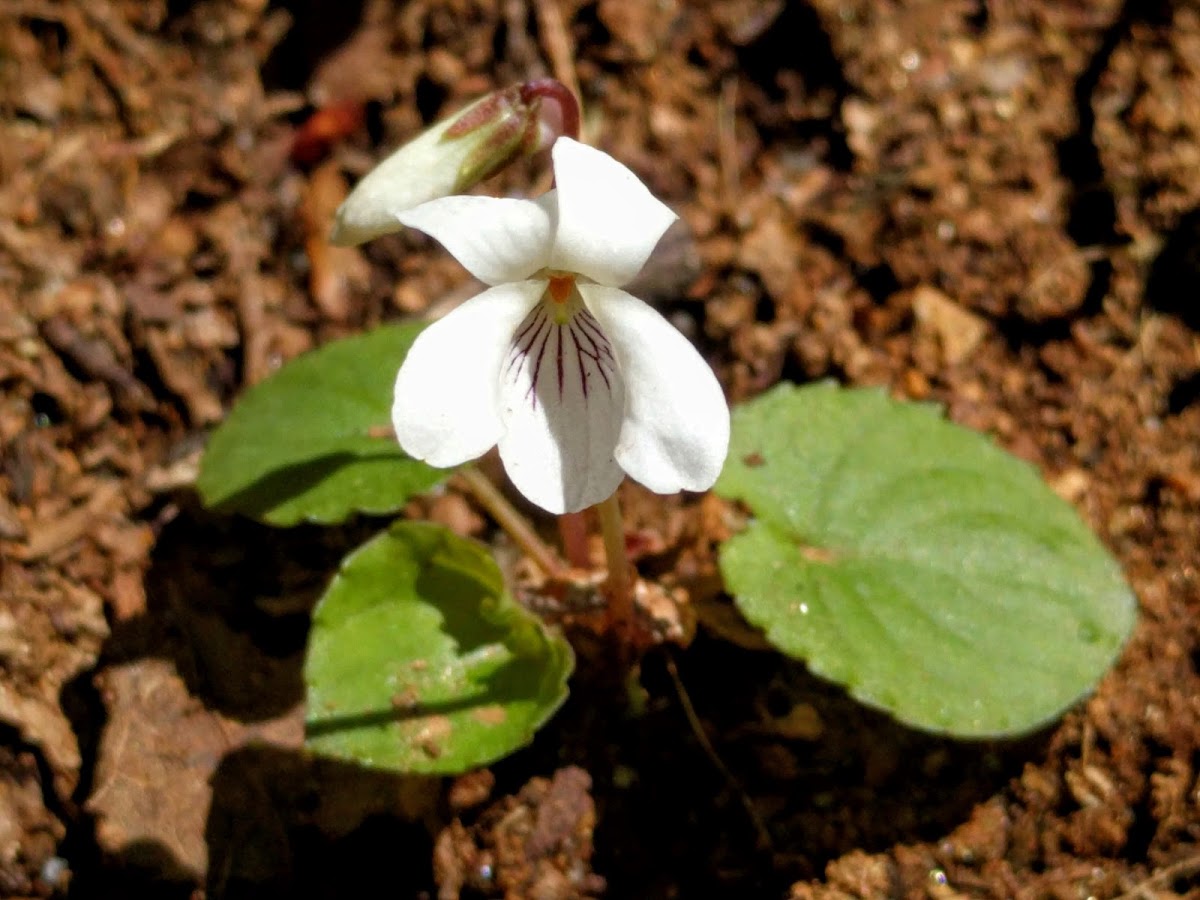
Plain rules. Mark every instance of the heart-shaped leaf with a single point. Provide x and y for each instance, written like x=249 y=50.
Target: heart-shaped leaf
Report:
x=419 y=662
x=916 y=563
x=313 y=441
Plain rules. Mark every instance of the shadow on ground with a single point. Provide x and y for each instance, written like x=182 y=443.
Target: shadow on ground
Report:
x=228 y=606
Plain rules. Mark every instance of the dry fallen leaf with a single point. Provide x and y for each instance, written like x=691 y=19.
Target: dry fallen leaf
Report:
x=214 y=797
x=157 y=759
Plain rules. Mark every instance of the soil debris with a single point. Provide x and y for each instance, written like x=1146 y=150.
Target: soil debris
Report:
x=537 y=844
x=990 y=206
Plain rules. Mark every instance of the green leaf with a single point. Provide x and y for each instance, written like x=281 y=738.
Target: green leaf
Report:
x=419 y=662
x=312 y=441
x=913 y=561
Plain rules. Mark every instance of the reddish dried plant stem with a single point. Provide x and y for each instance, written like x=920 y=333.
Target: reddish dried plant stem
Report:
x=515 y=524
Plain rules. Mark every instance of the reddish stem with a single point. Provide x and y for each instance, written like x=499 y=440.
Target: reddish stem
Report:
x=620 y=583
x=559 y=94
x=572 y=528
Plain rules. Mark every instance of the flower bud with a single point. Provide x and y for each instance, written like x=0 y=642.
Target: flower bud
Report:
x=456 y=154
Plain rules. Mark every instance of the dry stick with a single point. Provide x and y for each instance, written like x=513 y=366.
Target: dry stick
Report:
x=764 y=836
x=511 y=521
x=557 y=43
x=1185 y=867
x=727 y=148
x=521 y=52
x=620 y=588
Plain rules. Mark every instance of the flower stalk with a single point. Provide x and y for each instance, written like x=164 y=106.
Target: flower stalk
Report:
x=509 y=519
x=552 y=97
x=573 y=532
x=619 y=587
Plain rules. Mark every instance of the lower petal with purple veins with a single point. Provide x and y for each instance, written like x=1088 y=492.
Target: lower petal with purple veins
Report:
x=562 y=400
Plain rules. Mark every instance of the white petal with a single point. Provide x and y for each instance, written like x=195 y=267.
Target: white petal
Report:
x=561 y=402
x=676 y=429
x=608 y=221
x=424 y=168
x=497 y=239
x=445 y=407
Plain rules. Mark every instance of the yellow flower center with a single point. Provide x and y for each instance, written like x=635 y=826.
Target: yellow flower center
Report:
x=561 y=298
x=560 y=287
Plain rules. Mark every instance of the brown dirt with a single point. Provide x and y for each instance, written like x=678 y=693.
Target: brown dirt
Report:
x=993 y=205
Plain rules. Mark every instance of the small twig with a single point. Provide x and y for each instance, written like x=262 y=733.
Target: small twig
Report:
x=557 y=42
x=98 y=360
x=764 y=836
x=521 y=52
x=109 y=65
x=1185 y=867
x=105 y=19
x=515 y=524
x=256 y=357
x=727 y=149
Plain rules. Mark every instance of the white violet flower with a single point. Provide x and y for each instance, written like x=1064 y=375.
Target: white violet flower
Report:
x=577 y=381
